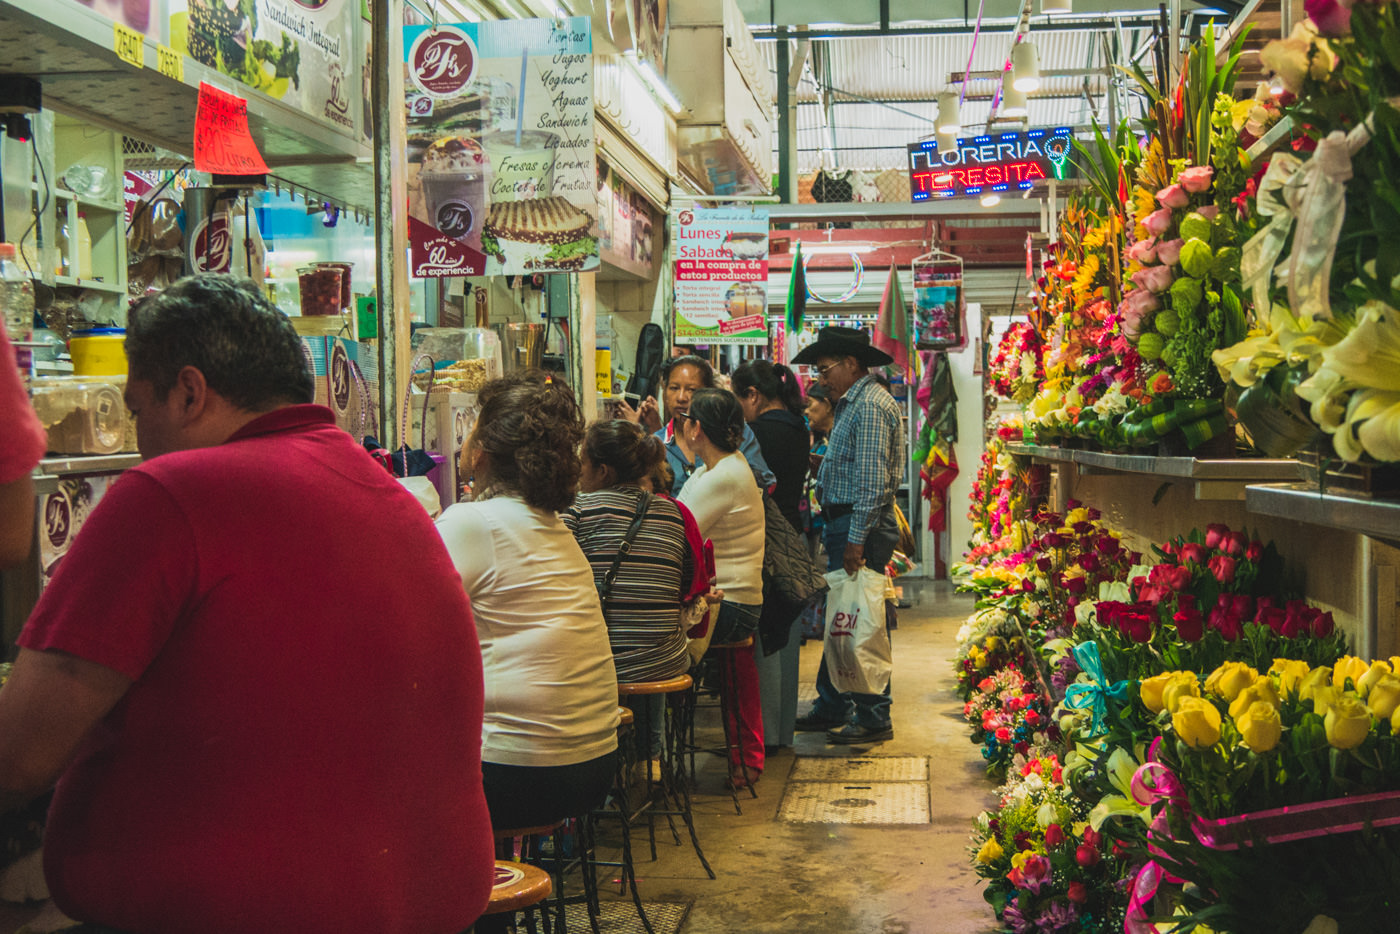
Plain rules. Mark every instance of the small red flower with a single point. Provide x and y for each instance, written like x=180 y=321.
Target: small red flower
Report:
x=1078 y=892
x=1086 y=855
x=1054 y=835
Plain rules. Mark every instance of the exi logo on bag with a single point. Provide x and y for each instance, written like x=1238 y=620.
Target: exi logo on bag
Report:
x=844 y=624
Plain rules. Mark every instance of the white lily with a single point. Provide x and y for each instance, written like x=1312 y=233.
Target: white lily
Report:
x=1122 y=766
x=1355 y=392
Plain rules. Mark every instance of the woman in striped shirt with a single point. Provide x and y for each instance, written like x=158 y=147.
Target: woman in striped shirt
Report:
x=644 y=606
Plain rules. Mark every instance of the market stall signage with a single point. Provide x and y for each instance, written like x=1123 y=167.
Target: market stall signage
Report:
x=626 y=224
x=222 y=143
x=501 y=172
x=129 y=45
x=302 y=53
x=722 y=275
x=984 y=164
x=170 y=63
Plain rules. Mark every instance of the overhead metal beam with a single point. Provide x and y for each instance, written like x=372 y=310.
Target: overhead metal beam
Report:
x=1055 y=24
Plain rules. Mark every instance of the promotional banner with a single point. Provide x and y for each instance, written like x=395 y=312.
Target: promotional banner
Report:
x=722 y=276
x=140 y=15
x=501 y=176
x=301 y=52
x=626 y=224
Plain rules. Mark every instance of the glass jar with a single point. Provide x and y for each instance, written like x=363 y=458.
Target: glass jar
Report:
x=320 y=290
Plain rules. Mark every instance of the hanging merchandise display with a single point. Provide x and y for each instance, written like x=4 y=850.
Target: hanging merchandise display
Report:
x=722 y=275
x=940 y=309
x=857 y=279
x=501 y=173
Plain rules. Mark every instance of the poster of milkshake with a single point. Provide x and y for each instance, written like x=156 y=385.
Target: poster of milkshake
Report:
x=722 y=276
x=501 y=175
x=302 y=52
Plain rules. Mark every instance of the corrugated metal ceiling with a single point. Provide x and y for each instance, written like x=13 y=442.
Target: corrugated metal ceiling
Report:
x=884 y=90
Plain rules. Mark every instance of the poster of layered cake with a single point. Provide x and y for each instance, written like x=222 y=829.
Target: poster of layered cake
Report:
x=500 y=147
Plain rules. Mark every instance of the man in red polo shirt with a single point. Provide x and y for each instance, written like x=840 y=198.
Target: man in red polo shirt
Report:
x=256 y=671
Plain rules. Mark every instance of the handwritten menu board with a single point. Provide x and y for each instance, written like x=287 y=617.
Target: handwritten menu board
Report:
x=500 y=147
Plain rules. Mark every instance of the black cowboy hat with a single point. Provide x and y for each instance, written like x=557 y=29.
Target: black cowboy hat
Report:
x=843 y=342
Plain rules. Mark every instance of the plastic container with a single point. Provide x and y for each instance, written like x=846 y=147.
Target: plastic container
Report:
x=84 y=265
x=16 y=295
x=346 y=300
x=82 y=416
x=465 y=358
x=98 y=352
x=320 y=290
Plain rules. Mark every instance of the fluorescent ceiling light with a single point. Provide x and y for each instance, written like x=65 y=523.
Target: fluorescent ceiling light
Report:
x=1025 y=66
x=841 y=248
x=949 y=121
x=1013 y=102
x=657 y=85
x=1055 y=7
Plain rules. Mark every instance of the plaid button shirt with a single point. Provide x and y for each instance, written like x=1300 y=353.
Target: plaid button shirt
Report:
x=864 y=460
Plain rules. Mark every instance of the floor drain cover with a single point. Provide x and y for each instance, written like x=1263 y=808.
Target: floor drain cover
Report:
x=620 y=917
x=859 y=769
x=853 y=803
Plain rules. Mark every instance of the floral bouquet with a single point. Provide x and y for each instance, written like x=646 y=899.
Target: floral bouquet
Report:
x=988 y=655
x=1008 y=714
x=1210 y=599
x=1047 y=870
x=1017 y=370
x=1289 y=773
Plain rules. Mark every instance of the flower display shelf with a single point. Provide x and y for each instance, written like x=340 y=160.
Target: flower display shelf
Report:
x=1378 y=518
x=1215 y=479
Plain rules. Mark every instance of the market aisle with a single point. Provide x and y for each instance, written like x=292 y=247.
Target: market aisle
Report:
x=822 y=878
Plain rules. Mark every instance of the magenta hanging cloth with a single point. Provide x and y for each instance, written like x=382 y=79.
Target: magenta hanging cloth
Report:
x=892 y=334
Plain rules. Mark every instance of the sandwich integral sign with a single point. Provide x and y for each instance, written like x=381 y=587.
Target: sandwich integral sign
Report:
x=983 y=164
x=500 y=147
x=722 y=275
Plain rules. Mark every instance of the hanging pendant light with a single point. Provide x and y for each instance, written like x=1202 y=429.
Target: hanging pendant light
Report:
x=1054 y=7
x=1025 y=67
x=949 y=121
x=1013 y=102
x=947 y=142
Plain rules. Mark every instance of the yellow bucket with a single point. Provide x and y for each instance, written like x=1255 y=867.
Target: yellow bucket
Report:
x=98 y=352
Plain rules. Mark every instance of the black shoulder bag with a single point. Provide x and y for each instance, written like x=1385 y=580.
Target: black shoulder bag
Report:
x=623 y=550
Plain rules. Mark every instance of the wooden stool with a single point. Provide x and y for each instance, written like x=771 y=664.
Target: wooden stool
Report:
x=517 y=886
x=672 y=786
x=624 y=716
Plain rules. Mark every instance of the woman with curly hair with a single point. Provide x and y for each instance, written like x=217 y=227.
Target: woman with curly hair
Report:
x=549 y=738
x=728 y=507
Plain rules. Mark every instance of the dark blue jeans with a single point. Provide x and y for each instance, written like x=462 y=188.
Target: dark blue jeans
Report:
x=871 y=710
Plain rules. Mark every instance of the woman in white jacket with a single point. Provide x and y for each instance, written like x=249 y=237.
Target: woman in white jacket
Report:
x=728 y=506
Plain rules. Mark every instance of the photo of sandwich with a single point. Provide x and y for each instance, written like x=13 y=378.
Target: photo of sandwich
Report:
x=540 y=234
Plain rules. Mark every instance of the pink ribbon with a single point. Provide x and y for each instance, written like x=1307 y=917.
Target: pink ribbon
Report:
x=1154 y=782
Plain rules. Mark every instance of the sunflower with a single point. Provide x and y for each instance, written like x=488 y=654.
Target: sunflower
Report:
x=1084 y=278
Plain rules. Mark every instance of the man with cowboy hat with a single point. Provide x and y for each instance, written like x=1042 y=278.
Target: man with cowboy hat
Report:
x=857 y=483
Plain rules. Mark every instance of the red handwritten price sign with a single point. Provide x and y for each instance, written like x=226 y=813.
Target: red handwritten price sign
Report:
x=222 y=143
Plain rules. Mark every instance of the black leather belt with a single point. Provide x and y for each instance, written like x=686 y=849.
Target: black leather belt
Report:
x=837 y=510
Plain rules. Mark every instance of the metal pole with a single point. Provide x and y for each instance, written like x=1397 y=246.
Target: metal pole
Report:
x=390 y=195
x=785 y=180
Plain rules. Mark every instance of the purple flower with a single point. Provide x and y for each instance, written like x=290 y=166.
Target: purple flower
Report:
x=1057 y=917
x=1012 y=917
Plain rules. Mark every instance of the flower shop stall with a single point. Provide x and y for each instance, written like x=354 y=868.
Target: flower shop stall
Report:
x=1184 y=665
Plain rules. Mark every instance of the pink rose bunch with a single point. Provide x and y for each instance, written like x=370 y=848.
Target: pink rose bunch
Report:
x=1158 y=222
x=1155 y=279
x=1169 y=251
x=1195 y=179
x=1143 y=251
x=1173 y=196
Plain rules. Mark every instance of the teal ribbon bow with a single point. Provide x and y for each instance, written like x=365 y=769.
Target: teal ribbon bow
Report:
x=1094 y=693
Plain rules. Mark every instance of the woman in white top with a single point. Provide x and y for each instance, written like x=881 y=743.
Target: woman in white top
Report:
x=728 y=507
x=549 y=738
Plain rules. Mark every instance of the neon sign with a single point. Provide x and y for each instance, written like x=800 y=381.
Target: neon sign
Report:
x=988 y=163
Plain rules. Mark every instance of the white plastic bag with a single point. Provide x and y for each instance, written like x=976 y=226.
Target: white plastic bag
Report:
x=857 y=645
